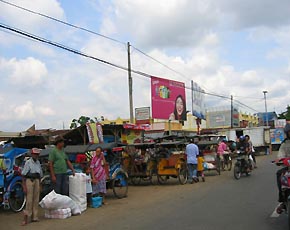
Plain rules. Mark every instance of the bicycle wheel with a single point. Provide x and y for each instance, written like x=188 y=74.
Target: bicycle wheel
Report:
x=136 y=180
x=17 y=198
x=182 y=175
x=218 y=166
x=162 y=179
x=237 y=172
x=230 y=164
x=120 y=185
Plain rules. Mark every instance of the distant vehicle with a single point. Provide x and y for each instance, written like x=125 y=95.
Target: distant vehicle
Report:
x=260 y=136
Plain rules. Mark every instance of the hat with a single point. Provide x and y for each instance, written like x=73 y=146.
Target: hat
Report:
x=35 y=151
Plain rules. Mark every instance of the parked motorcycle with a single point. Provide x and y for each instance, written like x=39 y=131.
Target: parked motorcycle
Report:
x=285 y=182
x=243 y=165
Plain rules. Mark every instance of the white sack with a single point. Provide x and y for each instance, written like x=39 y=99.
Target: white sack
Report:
x=78 y=190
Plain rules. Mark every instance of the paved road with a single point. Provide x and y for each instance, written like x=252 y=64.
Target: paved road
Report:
x=219 y=203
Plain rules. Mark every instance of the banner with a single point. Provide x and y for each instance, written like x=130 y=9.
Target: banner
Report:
x=168 y=99
x=95 y=133
x=131 y=136
x=198 y=107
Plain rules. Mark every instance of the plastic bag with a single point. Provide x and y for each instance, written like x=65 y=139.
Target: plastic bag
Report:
x=58 y=213
x=53 y=201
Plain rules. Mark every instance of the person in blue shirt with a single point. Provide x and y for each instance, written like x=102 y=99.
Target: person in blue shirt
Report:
x=192 y=152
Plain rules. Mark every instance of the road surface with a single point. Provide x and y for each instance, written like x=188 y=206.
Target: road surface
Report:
x=220 y=203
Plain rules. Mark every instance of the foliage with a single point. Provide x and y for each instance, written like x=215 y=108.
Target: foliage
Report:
x=286 y=114
x=82 y=121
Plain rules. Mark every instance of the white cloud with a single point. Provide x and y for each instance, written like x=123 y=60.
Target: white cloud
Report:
x=25 y=111
x=45 y=111
x=188 y=36
x=25 y=72
x=28 y=21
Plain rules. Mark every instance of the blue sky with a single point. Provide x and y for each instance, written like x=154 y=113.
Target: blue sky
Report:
x=222 y=45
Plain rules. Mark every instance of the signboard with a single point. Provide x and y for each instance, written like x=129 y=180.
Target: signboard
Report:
x=280 y=123
x=236 y=117
x=131 y=136
x=198 y=107
x=168 y=99
x=219 y=119
x=142 y=115
x=95 y=133
x=277 y=136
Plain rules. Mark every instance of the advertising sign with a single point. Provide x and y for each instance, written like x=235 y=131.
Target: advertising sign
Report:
x=198 y=107
x=280 y=123
x=168 y=99
x=95 y=133
x=277 y=136
x=142 y=115
x=131 y=136
x=219 y=119
x=236 y=117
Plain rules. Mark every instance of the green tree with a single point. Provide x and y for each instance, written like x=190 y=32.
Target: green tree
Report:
x=286 y=114
x=81 y=121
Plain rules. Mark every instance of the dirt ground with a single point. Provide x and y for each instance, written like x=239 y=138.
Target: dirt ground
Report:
x=142 y=200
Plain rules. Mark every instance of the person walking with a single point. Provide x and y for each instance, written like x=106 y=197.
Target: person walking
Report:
x=98 y=173
x=32 y=173
x=192 y=152
x=58 y=165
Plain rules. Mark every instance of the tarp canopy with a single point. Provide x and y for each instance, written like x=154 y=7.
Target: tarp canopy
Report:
x=11 y=152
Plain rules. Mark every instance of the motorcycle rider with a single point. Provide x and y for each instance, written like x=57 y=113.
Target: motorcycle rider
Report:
x=284 y=152
x=243 y=146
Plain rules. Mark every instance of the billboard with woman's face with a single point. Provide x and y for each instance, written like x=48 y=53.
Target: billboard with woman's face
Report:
x=168 y=99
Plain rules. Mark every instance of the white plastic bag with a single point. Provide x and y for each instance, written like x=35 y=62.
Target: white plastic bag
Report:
x=53 y=201
x=58 y=213
x=77 y=190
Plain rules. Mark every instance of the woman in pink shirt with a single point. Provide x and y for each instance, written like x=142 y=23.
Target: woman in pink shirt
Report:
x=98 y=174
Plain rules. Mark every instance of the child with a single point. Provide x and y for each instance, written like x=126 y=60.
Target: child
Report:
x=200 y=168
x=89 y=189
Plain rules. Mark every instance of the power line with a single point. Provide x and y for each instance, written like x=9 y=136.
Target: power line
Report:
x=244 y=105
x=95 y=33
x=30 y=36
x=61 y=46
x=112 y=39
x=166 y=66
x=63 y=22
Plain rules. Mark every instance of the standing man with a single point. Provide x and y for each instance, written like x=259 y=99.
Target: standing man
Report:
x=31 y=173
x=192 y=152
x=58 y=165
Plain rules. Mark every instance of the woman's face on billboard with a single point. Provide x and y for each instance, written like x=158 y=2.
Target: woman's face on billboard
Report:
x=179 y=106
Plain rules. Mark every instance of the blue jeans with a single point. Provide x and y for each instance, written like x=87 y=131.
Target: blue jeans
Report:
x=192 y=170
x=61 y=185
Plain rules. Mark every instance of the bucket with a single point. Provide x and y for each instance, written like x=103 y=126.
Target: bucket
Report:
x=97 y=201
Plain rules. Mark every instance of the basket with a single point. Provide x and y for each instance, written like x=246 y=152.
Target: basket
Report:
x=97 y=201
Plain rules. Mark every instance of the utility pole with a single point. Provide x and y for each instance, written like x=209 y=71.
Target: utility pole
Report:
x=266 y=110
x=130 y=84
x=232 y=112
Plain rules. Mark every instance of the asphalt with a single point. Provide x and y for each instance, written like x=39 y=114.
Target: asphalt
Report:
x=220 y=203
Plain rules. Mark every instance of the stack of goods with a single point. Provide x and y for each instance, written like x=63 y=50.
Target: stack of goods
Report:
x=59 y=206
x=58 y=213
x=77 y=190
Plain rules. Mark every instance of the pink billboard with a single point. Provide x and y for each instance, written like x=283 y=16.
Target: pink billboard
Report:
x=168 y=99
